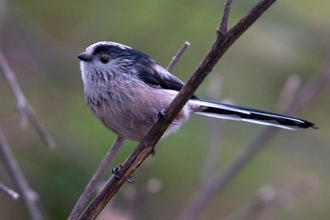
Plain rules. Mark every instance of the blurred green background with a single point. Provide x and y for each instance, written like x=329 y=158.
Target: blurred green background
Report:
x=41 y=40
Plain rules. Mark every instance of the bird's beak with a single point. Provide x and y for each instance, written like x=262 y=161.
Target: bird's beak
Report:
x=84 y=57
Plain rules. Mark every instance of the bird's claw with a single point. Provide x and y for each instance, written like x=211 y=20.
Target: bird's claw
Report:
x=162 y=114
x=115 y=172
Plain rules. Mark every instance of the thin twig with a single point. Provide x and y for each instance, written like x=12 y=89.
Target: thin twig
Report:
x=288 y=92
x=9 y=191
x=146 y=146
x=177 y=56
x=29 y=197
x=311 y=89
x=24 y=108
x=213 y=148
x=96 y=178
x=225 y=17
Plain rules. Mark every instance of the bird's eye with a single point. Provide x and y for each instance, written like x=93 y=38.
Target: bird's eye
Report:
x=104 y=59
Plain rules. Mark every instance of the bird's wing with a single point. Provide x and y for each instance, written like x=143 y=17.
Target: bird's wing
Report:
x=161 y=78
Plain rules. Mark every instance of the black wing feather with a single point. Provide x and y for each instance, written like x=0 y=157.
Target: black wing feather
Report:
x=171 y=83
x=165 y=82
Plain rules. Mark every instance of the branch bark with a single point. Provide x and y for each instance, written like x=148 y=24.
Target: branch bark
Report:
x=146 y=147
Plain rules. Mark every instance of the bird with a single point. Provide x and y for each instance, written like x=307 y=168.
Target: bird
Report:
x=126 y=90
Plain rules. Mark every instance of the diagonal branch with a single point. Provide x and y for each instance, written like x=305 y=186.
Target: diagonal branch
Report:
x=24 y=108
x=146 y=146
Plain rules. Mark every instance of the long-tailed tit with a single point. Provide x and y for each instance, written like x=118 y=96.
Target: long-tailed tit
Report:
x=126 y=89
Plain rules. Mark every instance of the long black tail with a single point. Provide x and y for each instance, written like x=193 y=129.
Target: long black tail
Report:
x=231 y=112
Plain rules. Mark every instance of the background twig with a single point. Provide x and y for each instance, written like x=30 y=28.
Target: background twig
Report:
x=9 y=191
x=288 y=93
x=29 y=197
x=213 y=148
x=311 y=89
x=268 y=198
x=24 y=108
